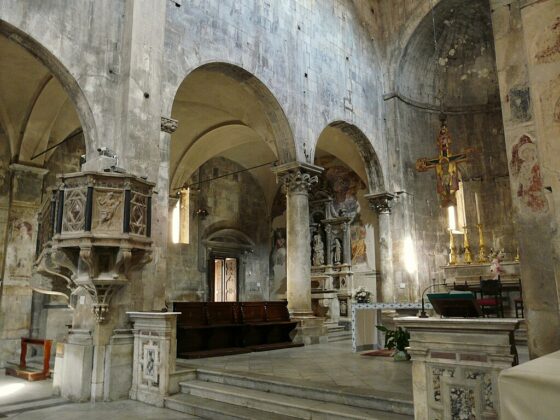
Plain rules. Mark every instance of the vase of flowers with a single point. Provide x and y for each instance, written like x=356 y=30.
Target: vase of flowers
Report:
x=362 y=295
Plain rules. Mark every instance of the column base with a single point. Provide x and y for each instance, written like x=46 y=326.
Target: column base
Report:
x=310 y=329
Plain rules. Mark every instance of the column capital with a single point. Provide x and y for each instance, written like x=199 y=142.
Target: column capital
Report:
x=297 y=177
x=381 y=202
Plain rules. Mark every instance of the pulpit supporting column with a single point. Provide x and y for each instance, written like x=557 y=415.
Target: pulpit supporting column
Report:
x=381 y=204
x=456 y=362
x=297 y=179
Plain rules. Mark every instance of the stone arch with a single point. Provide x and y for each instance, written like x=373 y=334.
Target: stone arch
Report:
x=62 y=75
x=372 y=173
x=280 y=140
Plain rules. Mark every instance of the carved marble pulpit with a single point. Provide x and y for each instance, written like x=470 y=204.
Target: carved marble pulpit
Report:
x=94 y=230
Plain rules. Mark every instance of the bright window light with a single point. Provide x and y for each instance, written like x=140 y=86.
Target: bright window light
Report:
x=410 y=261
x=176 y=223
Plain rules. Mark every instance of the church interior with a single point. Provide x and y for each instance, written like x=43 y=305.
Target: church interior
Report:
x=208 y=207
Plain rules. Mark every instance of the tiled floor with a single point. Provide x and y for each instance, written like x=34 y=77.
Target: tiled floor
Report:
x=332 y=365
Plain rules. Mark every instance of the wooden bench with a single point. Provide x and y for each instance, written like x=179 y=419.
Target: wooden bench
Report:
x=268 y=325
x=206 y=329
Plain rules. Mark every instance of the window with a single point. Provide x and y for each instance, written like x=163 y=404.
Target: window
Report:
x=180 y=218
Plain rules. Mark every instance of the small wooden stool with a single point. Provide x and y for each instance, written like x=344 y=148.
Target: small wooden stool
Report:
x=21 y=371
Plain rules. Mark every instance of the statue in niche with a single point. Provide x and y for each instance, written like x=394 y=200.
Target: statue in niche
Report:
x=337 y=251
x=318 y=250
x=108 y=203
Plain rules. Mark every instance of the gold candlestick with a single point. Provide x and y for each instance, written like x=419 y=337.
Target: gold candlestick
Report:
x=517 y=257
x=468 y=255
x=452 y=249
x=481 y=246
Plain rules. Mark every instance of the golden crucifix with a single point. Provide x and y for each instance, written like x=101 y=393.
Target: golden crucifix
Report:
x=447 y=173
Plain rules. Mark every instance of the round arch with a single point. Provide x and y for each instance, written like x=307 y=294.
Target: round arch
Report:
x=274 y=127
x=352 y=145
x=61 y=73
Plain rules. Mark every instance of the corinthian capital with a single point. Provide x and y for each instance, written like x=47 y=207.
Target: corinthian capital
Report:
x=381 y=203
x=297 y=177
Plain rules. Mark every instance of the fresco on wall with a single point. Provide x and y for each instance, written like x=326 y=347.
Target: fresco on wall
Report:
x=19 y=258
x=278 y=269
x=346 y=186
x=550 y=44
x=527 y=174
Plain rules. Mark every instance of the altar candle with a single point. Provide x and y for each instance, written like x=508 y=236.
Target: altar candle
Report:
x=477 y=208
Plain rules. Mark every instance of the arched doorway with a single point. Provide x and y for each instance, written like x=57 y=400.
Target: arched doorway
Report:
x=231 y=132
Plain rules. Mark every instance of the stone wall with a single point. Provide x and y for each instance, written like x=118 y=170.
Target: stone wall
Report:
x=237 y=212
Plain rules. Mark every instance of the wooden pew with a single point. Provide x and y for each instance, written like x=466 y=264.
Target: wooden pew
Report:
x=206 y=329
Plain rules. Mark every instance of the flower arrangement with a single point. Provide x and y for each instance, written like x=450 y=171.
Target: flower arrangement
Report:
x=362 y=295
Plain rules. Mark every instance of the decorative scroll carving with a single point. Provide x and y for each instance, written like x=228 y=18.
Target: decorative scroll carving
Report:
x=168 y=125
x=381 y=203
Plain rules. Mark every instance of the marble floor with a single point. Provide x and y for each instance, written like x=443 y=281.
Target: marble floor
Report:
x=18 y=397
x=332 y=365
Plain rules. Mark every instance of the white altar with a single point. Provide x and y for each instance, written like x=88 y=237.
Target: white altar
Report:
x=365 y=318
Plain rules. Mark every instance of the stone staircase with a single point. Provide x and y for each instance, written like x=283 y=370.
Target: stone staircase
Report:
x=17 y=408
x=228 y=395
x=339 y=333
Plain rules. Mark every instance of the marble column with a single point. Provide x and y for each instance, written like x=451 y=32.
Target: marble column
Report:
x=21 y=223
x=297 y=179
x=381 y=204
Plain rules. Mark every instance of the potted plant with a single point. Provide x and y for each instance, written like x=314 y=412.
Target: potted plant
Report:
x=397 y=340
x=362 y=295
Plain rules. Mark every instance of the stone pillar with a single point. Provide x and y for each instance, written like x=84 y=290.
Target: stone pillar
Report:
x=21 y=224
x=381 y=204
x=155 y=353
x=455 y=365
x=297 y=179
x=528 y=64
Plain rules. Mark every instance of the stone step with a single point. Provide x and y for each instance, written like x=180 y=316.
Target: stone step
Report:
x=379 y=400
x=8 y=410
x=283 y=405
x=340 y=338
x=216 y=410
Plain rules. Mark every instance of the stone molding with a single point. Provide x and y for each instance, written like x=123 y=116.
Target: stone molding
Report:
x=381 y=202
x=168 y=125
x=296 y=177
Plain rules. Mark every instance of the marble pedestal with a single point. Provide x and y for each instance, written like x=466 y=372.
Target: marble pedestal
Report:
x=155 y=352
x=455 y=365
